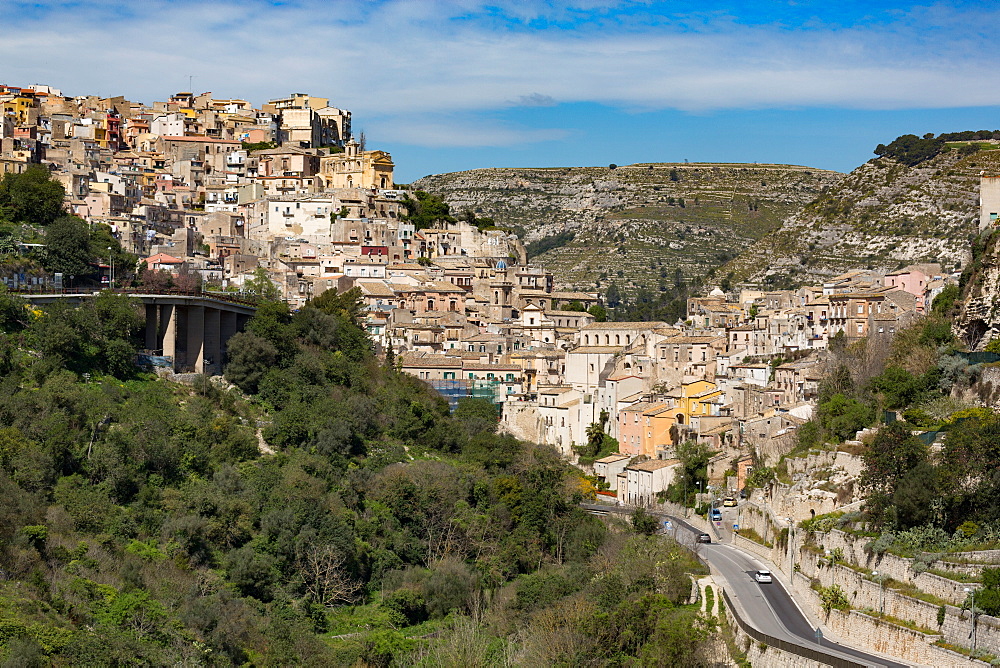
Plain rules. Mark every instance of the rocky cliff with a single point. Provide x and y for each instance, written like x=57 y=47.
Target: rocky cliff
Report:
x=978 y=318
x=635 y=224
x=880 y=216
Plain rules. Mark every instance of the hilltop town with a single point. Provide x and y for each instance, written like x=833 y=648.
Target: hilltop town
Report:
x=229 y=193
x=795 y=423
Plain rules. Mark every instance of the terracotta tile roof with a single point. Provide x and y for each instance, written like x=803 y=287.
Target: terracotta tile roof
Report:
x=653 y=465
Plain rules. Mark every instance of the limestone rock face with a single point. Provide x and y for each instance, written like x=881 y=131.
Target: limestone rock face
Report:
x=978 y=320
x=634 y=224
x=882 y=215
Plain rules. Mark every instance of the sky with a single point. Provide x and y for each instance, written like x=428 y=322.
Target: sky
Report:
x=448 y=85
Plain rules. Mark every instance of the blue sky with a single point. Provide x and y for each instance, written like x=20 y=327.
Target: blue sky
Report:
x=447 y=85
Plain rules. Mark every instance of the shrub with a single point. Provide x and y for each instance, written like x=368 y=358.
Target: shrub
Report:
x=406 y=607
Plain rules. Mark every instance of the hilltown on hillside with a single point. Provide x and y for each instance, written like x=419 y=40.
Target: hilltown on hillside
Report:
x=458 y=307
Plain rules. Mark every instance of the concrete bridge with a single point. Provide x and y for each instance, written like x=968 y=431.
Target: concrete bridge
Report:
x=193 y=330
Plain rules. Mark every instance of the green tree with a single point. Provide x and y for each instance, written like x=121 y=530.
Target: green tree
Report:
x=32 y=197
x=945 y=301
x=595 y=438
x=613 y=297
x=599 y=312
x=911 y=150
x=988 y=594
x=427 y=210
x=250 y=358
x=13 y=311
x=893 y=453
x=261 y=288
x=843 y=417
x=67 y=247
x=644 y=523
x=481 y=414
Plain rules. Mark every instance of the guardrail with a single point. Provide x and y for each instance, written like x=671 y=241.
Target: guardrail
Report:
x=41 y=290
x=790 y=647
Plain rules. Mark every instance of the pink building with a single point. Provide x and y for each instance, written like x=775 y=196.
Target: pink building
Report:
x=630 y=426
x=914 y=279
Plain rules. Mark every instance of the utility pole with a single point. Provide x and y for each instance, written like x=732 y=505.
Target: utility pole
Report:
x=972 y=590
x=791 y=539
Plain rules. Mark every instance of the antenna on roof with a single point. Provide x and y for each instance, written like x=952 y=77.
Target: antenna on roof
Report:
x=190 y=78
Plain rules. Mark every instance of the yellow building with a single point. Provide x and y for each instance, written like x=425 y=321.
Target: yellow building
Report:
x=19 y=107
x=356 y=169
x=694 y=398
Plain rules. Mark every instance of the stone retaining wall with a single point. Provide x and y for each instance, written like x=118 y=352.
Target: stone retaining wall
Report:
x=862 y=592
x=895 y=640
x=753 y=547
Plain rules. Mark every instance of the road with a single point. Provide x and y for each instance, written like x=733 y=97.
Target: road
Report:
x=767 y=607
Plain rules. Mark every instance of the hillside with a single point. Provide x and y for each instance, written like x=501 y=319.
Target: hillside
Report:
x=319 y=509
x=882 y=215
x=634 y=224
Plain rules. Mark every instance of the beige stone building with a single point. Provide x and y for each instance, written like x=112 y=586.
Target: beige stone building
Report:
x=355 y=168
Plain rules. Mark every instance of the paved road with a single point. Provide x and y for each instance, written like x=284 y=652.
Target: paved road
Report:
x=769 y=608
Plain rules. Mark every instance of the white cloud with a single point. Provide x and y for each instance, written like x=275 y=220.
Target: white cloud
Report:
x=434 y=132
x=410 y=60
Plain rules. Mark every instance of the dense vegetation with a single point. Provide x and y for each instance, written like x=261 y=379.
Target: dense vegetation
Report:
x=426 y=210
x=536 y=248
x=912 y=150
x=668 y=303
x=146 y=522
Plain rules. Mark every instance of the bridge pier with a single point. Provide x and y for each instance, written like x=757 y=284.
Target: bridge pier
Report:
x=168 y=331
x=228 y=326
x=152 y=327
x=211 y=345
x=194 y=357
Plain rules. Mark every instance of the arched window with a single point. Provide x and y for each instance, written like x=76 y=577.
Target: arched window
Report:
x=618 y=339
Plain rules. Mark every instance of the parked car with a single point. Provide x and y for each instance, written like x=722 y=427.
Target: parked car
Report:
x=763 y=577
x=729 y=502
x=704 y=538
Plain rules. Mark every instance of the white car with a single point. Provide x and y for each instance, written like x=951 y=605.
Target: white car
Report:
x=763 y=577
